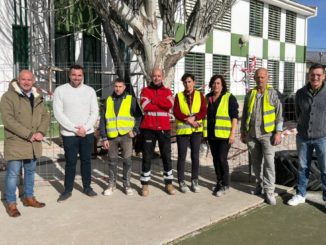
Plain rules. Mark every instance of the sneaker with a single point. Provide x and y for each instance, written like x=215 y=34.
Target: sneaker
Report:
x=109 y=191
x=270 y=199
x=90 y=192
x=183 y=187
x=169 y=188
x=296 y=199
x=216 y=188
x=145 y=191
x=64 y=196
x=194 y=186
x=222 y=191
x=258 y=191
x=128 y=191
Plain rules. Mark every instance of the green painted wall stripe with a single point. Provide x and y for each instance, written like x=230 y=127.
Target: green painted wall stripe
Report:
x=209 y=44
x=236 y=50
x=265 y=49
x=282 y=51
x=300 y=54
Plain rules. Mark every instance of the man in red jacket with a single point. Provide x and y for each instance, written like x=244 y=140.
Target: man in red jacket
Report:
x=156 y=101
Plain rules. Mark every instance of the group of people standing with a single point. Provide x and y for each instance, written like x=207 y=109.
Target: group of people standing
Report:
x=213 y=117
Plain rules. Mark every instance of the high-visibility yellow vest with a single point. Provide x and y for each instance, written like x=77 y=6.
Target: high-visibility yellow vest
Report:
x=121 y=123
x=269 y=115
x=223 y=123
x=183 y=128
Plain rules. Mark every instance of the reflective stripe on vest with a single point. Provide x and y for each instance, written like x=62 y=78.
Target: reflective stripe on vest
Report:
x=183 y=128
x=121 y=124
x=269 y=115
x=223 y=123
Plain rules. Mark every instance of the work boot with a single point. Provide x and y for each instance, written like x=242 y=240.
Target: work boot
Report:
x=32 y=202
x=169 y=188
x=195 y=186
x=12 y=210
x=145 y=191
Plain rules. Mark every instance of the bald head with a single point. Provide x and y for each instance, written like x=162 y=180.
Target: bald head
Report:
x=261 y=78
x=157 y=76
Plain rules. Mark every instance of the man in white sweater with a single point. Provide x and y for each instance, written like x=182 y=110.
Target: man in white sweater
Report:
x=75 y=108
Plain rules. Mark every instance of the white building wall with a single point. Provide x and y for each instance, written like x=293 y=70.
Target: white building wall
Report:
x=290 y=52
x=273 y=50
x=255 y=47
x=300 y=75
x=283 y=24
x=240 y=17
x=222 y=42
x=281 y=77
x=265 y=23
x=301 y=35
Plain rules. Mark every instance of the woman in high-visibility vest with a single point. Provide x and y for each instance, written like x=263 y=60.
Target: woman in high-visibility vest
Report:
x=220 y=128
x=189 y=111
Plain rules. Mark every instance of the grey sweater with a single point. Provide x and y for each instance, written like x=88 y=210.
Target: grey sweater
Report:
x=311 y=113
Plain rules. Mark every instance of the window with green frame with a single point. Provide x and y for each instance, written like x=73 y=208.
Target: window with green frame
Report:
x=256 y=18
x=20 y=46
x=195 y=64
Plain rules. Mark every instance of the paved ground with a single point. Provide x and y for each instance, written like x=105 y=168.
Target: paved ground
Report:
x=122 y=219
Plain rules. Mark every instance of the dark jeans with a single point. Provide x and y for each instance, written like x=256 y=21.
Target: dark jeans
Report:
x=72 y=146
x=220 y=149
x=164 y=142
x=183 y=141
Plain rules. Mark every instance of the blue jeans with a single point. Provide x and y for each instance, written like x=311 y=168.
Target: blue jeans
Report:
x=13 y=172
x=305 y=149
x=72 y=146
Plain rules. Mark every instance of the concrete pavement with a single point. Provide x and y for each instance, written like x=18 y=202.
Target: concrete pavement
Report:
x=120 y=219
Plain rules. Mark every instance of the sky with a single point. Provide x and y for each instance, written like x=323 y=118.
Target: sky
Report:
x=316 y=25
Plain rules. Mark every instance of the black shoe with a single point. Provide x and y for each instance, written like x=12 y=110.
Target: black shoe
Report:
x=64 y=196
x=90 y=192
x=216 y=189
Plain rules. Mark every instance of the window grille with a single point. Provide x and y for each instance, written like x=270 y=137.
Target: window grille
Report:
x=273 y=67
x=195 y=64
x=274 y=22
x=221 y=66
x=288 y=77
x=224 y=22
x=291 y=26
x=256 y=18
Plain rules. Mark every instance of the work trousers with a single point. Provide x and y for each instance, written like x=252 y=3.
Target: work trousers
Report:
x=164 y=142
